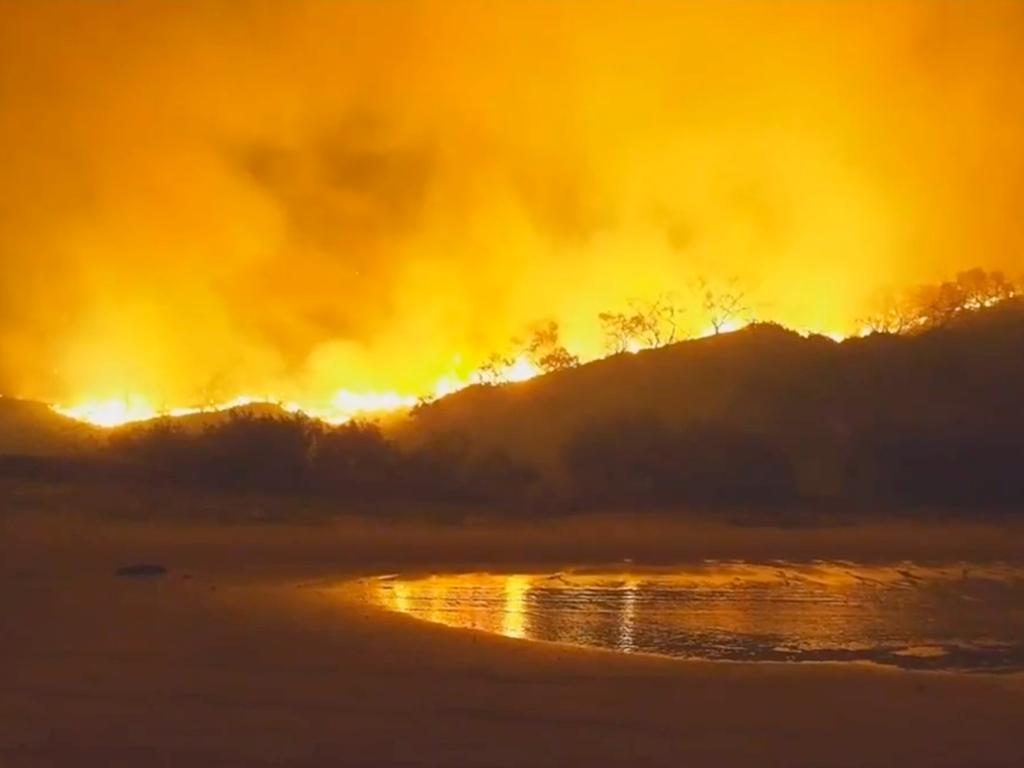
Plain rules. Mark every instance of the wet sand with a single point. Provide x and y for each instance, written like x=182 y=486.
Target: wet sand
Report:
x=253 y=661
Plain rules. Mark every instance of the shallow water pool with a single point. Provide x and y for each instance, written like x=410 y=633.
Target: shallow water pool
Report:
x=958 y=616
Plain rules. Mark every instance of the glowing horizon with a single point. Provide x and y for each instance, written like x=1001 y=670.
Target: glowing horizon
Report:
x=346 y=405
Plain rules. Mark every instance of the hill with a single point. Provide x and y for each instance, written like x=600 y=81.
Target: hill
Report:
x=759 y=418
x=33 y=429
x=882 y=416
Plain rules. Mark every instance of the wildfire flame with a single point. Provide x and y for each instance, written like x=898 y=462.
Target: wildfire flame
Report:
x=109 y=412
x=345 y=406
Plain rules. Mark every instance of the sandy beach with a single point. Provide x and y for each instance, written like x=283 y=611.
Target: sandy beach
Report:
x=216 y=664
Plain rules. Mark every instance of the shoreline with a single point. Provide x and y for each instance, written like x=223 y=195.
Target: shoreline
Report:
x=354 y=591
x=251 y=662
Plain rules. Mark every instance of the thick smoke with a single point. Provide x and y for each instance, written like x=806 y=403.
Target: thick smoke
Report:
x=200 y=200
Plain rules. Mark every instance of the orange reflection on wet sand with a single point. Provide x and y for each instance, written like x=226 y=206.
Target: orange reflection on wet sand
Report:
x=775 y=611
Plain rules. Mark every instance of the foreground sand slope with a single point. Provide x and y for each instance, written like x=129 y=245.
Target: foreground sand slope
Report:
x=228 y=668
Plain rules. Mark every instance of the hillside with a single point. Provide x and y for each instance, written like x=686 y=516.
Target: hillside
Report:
x=34 y=429
x=834 y=410
x=757 y=418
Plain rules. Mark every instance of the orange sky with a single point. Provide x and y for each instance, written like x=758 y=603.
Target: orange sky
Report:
x=207 y=199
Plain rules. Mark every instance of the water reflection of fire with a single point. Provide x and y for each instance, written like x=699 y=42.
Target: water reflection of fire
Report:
x=778 y=611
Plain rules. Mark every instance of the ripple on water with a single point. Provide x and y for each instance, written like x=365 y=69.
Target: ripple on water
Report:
x=959 y=616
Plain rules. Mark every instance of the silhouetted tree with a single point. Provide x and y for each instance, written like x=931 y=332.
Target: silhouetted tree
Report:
x=542 y=348
x=647 y=324
x=265 y=452
x=447 y=469
x=545 y=350
x=651 y=462
x=493 y=369
x=722 y=304
x=657 y=320
x=940 y=465
x=241 y=451
x=357 y=460
x=620 y=331
x=982 y=289
x=894 y=315
x=935 y=305
x=163 y=447
x=938 y=304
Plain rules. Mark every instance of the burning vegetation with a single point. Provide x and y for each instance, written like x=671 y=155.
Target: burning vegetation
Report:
x=643 y=325
x=760 y=419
